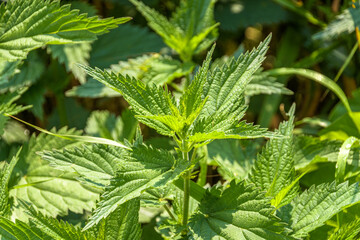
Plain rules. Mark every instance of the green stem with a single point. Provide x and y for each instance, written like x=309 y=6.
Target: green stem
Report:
x=186 y=187
x=169 y=212
x=203 y=169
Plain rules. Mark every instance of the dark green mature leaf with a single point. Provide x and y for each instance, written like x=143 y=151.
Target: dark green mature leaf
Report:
x=274 y=168
x=27 y=25
x=5 y=174
x=114 y=47
x=70 y=55
x=345 y=23
x=141 y=169
x=240 y=212
x=51 y=191
x=146 y=100
x=233 y=15
x=190 y=30
x=122 y=224
x=318 y=204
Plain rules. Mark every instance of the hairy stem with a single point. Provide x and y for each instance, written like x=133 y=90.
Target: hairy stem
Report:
x=186 y=187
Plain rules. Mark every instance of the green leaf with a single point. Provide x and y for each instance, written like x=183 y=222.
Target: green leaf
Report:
x=318 y=204
x=92 y=89
x=189 y=31
x=274 y=168
x=347 y=231
x=317 y=77
x=27 y=25
x=96 y=164
x=262 y=83
x=345 y=23
x=7 y=105
x=114 y=47
x=51 y=191
x=121 y=224
x=234 y=157
x=105 y=125
x=70 y=55
x=146 y=100
x=342 y=128
x=141 y=169
x=227 y=84
x=240 y=212
x=343 y=157
x=30 y=72
x=5 y=174
x=52 y=227
x=18 y=231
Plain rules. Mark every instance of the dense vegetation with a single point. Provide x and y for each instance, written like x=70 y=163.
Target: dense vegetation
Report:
x=190 y=119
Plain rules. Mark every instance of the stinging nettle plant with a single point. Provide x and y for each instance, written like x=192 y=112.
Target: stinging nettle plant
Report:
x=266 y=202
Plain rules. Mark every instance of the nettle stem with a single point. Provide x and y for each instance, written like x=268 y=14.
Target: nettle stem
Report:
x=186 y=186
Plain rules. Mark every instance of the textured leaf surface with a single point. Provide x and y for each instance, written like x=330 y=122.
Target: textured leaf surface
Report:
x=122 y=224
x=318 y=204
x=240 y=212
x=347 y=231
x=51 y=191
x=26 y=25
x=142 y=168
x=146 y=100
x=96 y=164
x=52 y=227
x=234 y=159
x=308 y=149
x=190 y=30
x=18 y=231
x=274 y=167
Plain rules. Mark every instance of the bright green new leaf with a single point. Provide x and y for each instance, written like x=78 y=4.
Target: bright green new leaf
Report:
x=240 y=212
x=274 y=168
x=343 y=157
x=316 y=205
x=140 y=169
x=190 y=30
x=27 y=25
